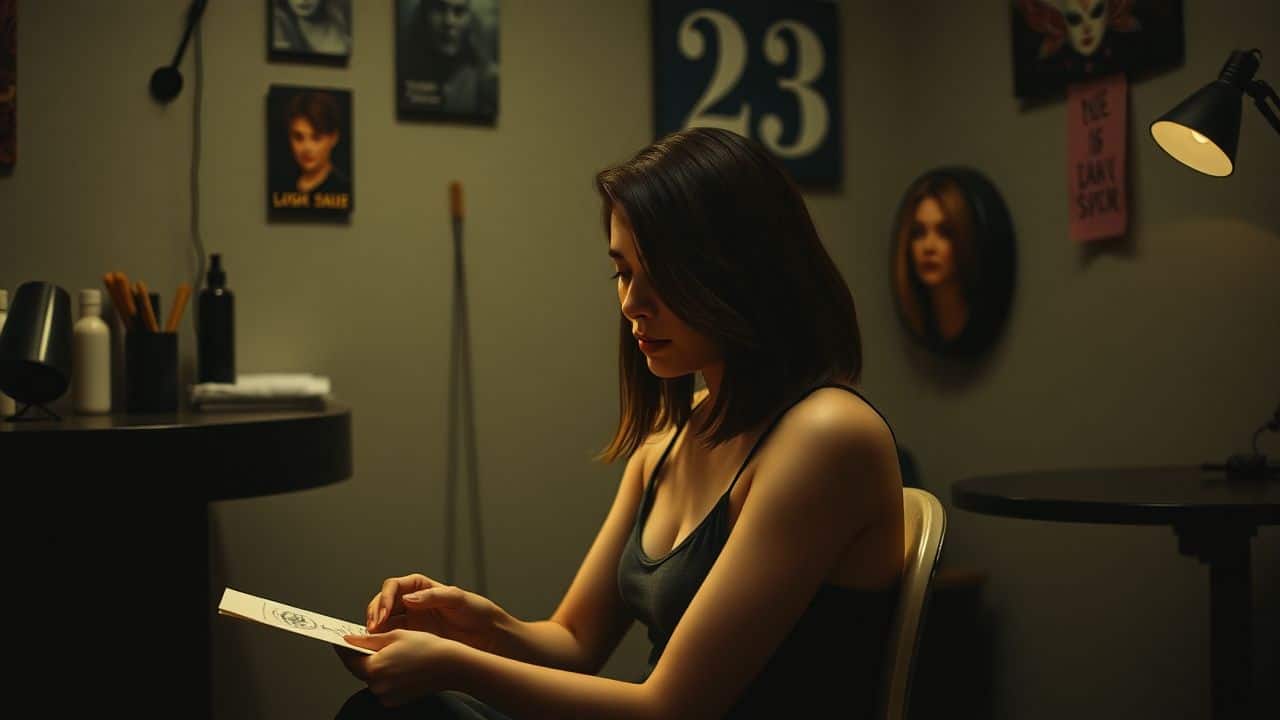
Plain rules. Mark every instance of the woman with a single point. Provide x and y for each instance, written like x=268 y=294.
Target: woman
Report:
x=312 y=27
x=313 y=123
x=934 y=264
x=766 y=591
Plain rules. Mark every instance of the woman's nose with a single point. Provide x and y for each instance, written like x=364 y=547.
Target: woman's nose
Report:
x=636 y=301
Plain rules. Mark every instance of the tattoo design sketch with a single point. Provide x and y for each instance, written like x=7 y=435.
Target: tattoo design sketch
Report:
x=292 y=619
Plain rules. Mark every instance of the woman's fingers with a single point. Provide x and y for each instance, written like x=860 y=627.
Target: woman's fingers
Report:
x=354 y=661
x=388 y=601
x=446 y=596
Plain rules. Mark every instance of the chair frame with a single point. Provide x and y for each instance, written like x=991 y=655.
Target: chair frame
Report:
x=922 y=551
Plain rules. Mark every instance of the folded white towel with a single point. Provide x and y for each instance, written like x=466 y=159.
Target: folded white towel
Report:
x=262 y=386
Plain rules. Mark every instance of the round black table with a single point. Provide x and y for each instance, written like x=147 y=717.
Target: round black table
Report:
x=111 y=517
x=1215 y=519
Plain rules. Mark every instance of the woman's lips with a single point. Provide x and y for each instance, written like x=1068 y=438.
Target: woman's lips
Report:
x=651 y=345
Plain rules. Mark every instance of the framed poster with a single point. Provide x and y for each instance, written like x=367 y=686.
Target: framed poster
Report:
x=310 y=30
x=8 y=83
x=309 y=153
x=766 y=69
x=447 y=60
x=952 y=261
x=1058 y=42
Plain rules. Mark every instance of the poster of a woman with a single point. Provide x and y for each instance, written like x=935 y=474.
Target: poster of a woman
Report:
x=309 y=147
x=318 y=30
x=952 y=261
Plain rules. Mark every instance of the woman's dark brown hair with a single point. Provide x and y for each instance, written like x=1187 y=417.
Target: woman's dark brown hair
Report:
x=319 y=108
x=913 y=297
x=724 y=235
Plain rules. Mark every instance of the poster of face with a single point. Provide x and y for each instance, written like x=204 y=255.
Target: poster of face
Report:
x=309 y=153
x=447 y=59
x=1057 y=42
x=8 y=82
x=318 y=30
x=952 y=261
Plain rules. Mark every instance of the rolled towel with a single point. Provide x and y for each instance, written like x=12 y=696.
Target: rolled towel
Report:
x=262 y=388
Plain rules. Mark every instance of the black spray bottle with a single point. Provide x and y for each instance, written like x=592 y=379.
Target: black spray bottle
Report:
x=216 y=336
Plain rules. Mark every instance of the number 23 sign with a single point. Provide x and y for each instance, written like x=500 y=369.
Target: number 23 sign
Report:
x=768 y=70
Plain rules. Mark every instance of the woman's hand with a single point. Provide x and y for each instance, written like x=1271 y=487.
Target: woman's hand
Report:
x=407 y=665
x=416 y=602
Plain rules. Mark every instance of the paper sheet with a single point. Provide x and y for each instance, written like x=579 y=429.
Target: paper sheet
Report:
x=285 y=617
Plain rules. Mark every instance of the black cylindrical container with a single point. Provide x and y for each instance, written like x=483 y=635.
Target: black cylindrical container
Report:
x=151 y=372
x=215 y=328
x=35 y=346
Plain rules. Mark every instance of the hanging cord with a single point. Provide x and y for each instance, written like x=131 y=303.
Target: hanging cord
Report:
x=460 y=370
x=197 y=97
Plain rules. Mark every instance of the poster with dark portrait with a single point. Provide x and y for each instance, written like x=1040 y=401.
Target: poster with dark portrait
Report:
x=952 y=261
x=309 y=153
x=447 y=60
x=768 y=70
x=1057 y=42
x=8 y=82
x=310 y=30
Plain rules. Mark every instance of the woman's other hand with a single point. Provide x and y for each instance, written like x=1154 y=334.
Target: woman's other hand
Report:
x=405 y=666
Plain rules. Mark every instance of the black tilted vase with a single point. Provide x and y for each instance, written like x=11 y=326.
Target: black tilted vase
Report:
x=35 y=345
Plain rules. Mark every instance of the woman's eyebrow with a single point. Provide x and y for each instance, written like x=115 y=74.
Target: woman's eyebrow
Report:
x=616 y=255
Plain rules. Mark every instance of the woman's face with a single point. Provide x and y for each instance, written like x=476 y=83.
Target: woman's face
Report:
x=931 y=250
x=311 y=150
x=682 y=350
x=304 y=8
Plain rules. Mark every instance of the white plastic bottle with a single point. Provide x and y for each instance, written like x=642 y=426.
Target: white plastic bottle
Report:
x=91 y=358
x=7 y=406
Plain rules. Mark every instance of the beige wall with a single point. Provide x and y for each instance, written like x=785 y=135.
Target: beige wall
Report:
x=1160 y=350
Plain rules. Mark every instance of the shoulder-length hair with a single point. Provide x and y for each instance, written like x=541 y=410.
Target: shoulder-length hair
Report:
x=724 y=236
x=316 y=107
x=912 y=295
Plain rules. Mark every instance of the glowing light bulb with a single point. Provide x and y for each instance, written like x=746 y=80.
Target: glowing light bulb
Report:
x=1199 y=138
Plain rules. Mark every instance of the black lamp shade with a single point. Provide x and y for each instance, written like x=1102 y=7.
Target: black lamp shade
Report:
x=35 y=345
x=1203 y=131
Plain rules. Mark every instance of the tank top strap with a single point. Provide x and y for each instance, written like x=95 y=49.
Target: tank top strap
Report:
x=653 y=474
x=793 y=403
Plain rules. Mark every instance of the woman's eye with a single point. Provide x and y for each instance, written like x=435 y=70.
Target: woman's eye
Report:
x=618 y=274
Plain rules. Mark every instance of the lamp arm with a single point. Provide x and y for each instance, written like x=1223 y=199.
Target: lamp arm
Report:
x=1261 y=92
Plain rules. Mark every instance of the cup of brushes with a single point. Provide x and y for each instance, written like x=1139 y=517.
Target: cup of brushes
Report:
x=151 y=350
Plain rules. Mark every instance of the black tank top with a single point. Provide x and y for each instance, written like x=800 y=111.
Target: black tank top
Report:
x=830 y=662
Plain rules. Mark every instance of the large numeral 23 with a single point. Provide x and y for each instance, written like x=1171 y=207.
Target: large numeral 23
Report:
x=732 y=60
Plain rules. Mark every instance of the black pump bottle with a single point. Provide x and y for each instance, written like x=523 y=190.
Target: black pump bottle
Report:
x=216 y=336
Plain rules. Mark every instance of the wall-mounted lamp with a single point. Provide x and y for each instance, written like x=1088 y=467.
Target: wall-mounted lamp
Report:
x=1203 y=131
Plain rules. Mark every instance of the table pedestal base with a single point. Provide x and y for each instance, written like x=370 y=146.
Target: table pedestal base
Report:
x=1225 y=548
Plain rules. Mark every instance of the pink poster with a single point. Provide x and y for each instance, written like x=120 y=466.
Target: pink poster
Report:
x=1096 y=185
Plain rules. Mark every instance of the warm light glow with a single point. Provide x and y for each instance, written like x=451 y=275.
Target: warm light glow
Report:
x=1191 y=148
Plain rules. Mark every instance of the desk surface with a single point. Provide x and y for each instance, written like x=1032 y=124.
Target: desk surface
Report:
x=1131 y=496
x=209 y=455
